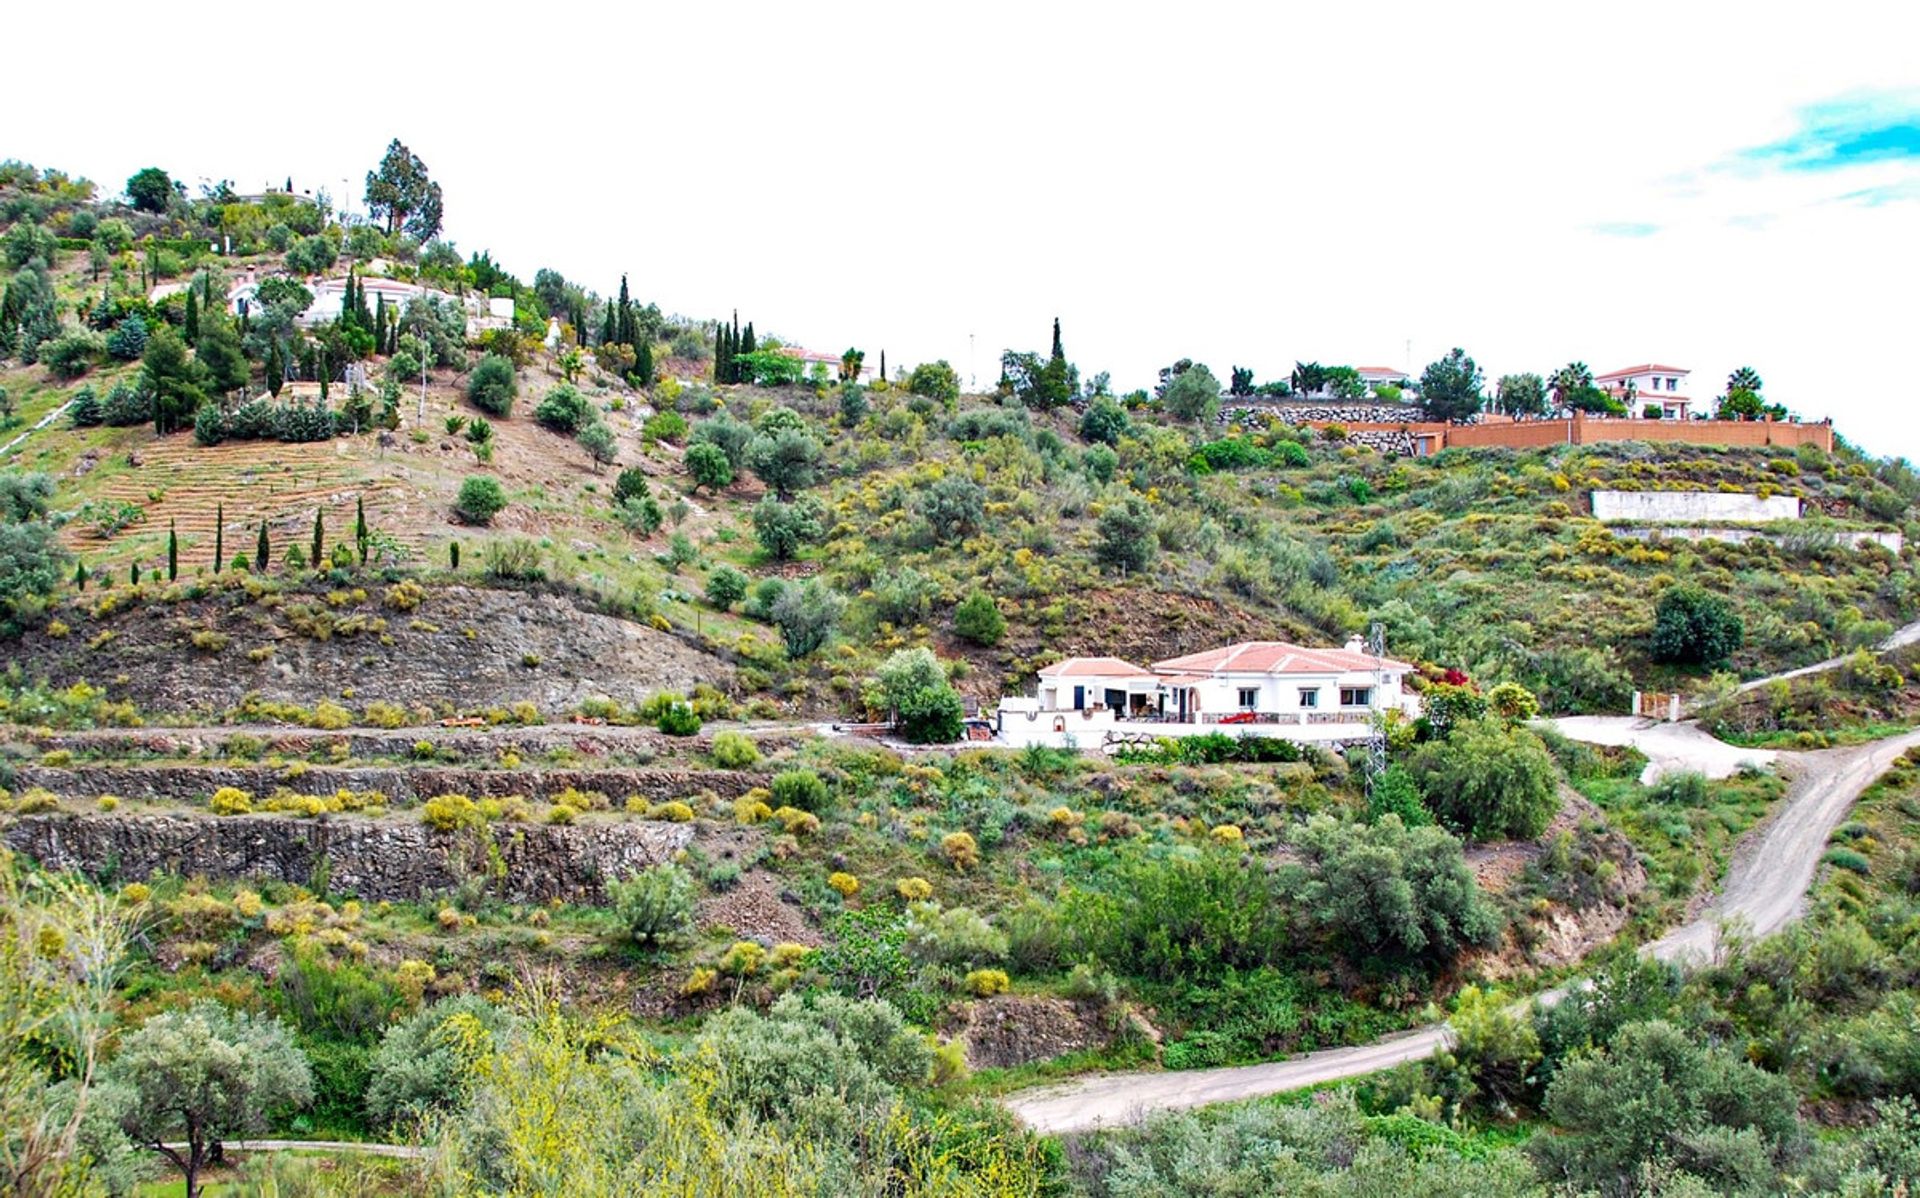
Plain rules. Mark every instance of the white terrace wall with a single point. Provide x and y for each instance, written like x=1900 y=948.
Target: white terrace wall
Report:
x=1693 y=505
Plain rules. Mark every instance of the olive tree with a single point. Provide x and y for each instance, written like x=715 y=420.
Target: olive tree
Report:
x=203 y=1075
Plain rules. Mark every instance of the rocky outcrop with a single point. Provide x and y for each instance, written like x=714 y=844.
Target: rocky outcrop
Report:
x=460 y=649
x=1013 y=1029
x=401 y=785
x=367 y=858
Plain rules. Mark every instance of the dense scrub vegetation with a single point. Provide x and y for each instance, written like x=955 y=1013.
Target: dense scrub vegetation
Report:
x=891 y=549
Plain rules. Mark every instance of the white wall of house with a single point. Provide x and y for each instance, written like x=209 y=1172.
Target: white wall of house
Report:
x=1019 y=724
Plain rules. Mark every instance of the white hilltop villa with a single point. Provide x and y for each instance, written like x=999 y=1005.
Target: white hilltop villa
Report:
x=1254 y=688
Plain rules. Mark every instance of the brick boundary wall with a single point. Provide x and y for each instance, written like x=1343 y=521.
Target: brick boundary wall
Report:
x=1581 y=429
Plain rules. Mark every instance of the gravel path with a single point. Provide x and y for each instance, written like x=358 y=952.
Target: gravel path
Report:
x=1669 y=748
x=1900 y=639
x=1765 y=889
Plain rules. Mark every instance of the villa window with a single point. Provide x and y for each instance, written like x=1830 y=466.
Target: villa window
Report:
x=1249 y=698
x=1309 y=696
x=1356 y=696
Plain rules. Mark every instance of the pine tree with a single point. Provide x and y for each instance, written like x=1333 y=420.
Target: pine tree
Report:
x=219 y=536
x=193 y=317
x=173 y=552
x=319 y=539
x=260 y=550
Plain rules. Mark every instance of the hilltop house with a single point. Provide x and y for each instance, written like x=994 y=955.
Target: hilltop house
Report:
x=1254 y=688
x=1648 y=385
x=1376 y=377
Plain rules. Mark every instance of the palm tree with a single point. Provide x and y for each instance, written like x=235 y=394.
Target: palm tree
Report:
x=1568 y=380
x=1744 y=379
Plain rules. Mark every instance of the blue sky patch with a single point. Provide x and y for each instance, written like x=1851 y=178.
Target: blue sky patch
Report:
x=1850 y=131
x=1625 y=228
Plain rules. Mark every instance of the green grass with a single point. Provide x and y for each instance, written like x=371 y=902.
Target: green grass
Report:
x=1685 y=848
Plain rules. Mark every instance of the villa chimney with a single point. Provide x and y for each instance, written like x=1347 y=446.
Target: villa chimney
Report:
x=1355 y=644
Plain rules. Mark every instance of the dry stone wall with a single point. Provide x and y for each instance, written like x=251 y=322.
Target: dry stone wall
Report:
x=371 y=859
x=1232 y=412
x=193 y=783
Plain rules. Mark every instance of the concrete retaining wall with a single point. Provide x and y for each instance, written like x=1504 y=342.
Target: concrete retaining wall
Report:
x=1693 y=506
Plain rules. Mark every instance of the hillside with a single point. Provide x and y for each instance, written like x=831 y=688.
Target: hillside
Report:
x=477 y=734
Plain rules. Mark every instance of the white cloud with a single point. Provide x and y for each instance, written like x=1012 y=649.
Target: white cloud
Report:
x=1239 y=184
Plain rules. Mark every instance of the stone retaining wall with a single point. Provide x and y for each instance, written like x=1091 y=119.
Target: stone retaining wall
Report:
x=1324 y=412
x=370 y=859
x=401 y=785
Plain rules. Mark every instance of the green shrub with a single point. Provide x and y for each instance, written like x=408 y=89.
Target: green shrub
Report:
x=977 y=618
x=563 y=409
x=448 y=813
x=492 y=386
x=677 y=718
x=655 y=906
x=726 y=586
x=801 y=789
x=1487 y=781
x=1687 y=788
x=734 y=751
x=480 y=500
x=1692 y=627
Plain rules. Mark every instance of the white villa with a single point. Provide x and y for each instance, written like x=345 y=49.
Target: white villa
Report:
x=1255 y=688
x=1648 y=385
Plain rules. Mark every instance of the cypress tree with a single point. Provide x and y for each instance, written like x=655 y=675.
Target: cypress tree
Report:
x=80 y=576
x=746 y=342
x=320 y=357
x=260 y=550
x=360 y=526
x=133 y=573
x=643 y=363
x=173 y=552
x=1059 y=355
x=606 y=326
x=219 y=536
x=319 y=539
x=453 y=554
x=193 y=317
x=883 y=365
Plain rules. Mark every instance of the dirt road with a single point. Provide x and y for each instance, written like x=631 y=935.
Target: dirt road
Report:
x=1765 y=889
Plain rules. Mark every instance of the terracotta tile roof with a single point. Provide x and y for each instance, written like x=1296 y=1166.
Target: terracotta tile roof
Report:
x=1380 y=372
x=1649 y=368
x=1094 y=667
x=1270 y=657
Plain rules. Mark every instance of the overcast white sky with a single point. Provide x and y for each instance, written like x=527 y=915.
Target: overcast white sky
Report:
x=1703 y=185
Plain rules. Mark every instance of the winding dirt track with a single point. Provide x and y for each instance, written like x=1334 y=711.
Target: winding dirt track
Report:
x=1764 y=891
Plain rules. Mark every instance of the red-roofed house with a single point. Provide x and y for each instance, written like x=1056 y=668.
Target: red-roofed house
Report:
x=1648 y=384
x=1274 y=682
x=1254 y=688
